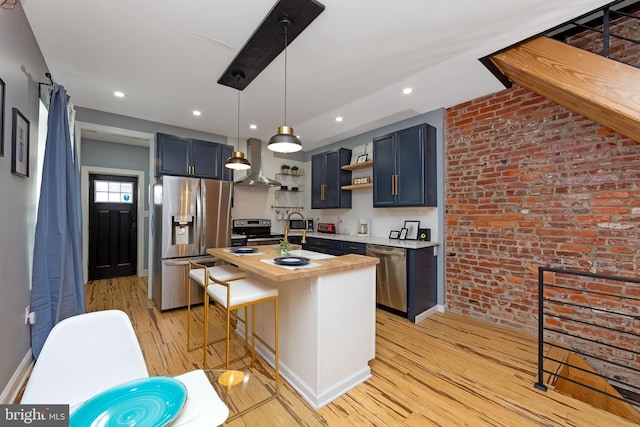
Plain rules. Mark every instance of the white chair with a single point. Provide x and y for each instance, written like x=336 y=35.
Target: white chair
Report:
x=83 y=356
x=238 y=294
x=226 y=272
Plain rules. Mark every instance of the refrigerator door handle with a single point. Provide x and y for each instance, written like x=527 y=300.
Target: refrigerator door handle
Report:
x=202 y=232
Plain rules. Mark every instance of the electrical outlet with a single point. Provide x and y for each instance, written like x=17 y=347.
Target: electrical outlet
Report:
x=29 y=317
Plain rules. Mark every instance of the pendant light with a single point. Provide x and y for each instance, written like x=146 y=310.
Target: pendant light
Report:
x=237 y=160
x=285 y=141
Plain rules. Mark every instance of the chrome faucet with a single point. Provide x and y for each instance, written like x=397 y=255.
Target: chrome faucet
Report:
x=286 y=227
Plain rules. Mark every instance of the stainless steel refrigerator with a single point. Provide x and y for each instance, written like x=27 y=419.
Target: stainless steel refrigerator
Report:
x=189 y=216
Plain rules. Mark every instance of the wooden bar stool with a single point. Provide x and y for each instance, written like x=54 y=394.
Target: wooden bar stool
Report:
x=197 y=271
x=242 y=293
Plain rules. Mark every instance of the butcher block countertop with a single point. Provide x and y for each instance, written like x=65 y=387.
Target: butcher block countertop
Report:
x=327 y=263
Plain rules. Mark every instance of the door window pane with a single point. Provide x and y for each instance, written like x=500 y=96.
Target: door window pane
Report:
x=113 y=192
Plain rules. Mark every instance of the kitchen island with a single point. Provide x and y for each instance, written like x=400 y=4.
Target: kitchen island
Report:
x=326 y=318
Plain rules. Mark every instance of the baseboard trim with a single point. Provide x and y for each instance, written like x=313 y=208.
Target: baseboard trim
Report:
x=425 y=314
x=18 y=379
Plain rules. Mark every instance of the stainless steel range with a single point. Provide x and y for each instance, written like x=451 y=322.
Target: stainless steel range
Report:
x=257 y=231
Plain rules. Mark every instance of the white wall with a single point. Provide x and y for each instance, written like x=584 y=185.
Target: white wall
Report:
x=21 y=67
x=252 y=202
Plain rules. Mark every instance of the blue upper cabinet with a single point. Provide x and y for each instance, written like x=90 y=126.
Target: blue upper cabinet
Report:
x=191 y=157
x=404 y=168
x=226 y=152
x=327 y=179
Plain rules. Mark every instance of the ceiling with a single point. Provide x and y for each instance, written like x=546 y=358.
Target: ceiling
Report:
x=353 y=61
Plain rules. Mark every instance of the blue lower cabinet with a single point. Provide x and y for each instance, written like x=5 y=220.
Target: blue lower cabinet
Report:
x=334 y=247
x=324 y=246
x=422 y=278
x=295 y=240
x=354 y=248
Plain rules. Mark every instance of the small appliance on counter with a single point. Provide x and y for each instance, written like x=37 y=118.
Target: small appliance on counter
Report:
x=364 y=227
x=326 y=227
x=300 y=224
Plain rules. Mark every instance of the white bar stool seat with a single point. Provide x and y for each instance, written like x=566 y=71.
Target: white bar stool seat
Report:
x=243 y=293
x=227 y=272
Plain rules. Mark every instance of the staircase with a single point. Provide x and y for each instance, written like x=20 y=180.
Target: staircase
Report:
x=595 y=86
x=570 y=374
x=588 y=327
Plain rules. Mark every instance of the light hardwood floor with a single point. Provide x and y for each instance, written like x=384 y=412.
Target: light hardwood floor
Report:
x=449 y=370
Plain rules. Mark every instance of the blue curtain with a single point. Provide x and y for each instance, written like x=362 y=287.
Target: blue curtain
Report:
x=57 y=290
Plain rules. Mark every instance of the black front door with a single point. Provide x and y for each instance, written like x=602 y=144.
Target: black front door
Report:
x=113 y=232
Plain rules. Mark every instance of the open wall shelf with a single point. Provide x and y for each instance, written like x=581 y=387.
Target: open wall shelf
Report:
x=357 y=186
x=363 y=165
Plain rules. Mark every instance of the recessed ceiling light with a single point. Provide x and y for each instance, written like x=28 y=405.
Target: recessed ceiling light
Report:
x=407 y=90
x=253 y=127
x=338 y=119
x=197 y=113
x=119 y=94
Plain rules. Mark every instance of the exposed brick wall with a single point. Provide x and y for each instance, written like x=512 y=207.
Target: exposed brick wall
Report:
x=530 y=183
x=619 y=49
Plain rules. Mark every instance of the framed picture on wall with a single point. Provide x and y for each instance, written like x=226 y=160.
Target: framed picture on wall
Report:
x=1 y=118
x=20 y=144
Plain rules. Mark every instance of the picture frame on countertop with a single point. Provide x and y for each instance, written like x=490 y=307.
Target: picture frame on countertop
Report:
x=362 y=158
x=2 y=92
x=403 y=234
x=412 y=229
x=394 y=234
x=20 y=144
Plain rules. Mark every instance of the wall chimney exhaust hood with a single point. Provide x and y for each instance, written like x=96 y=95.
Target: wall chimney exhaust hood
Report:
x=255 y=178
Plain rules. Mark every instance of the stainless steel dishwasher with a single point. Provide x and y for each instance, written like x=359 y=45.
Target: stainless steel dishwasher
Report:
x=391 y=276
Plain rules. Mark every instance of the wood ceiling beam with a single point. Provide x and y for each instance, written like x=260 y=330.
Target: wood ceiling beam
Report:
x=599 y=88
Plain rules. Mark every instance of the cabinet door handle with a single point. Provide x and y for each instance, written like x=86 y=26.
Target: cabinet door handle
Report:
x=322 y=192
x=397 y=179
x=393 y=185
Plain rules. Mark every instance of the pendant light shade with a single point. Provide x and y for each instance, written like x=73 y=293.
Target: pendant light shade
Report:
x=237 y=160
x=285 y=141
